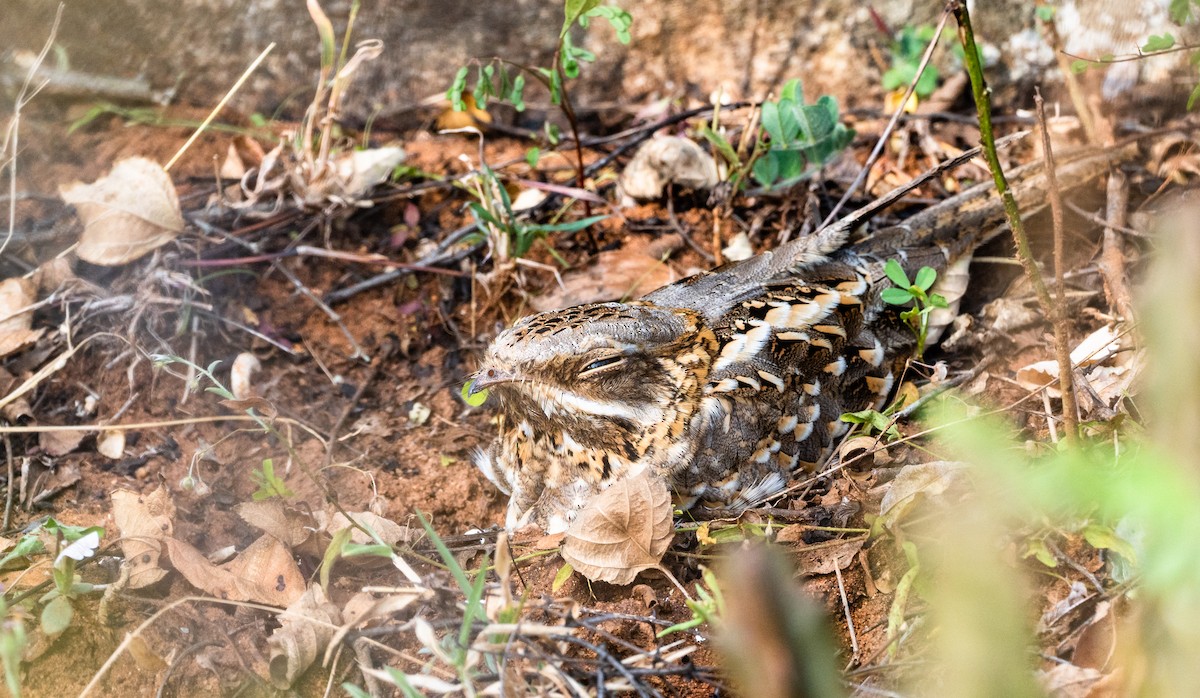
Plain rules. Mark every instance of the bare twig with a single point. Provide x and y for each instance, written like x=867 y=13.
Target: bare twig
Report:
x=1084 y=111
x=11 y=145
x=8 y=494
x=1112 y=254
x=1062 y=349
x=883 y=138
x=220 y=105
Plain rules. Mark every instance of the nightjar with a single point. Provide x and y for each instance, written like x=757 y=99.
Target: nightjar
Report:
x=727 y=382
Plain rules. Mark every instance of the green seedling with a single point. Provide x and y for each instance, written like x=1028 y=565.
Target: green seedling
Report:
x=504 y=80
x=74 y=544
x=917 y=293
x=269 y=484
x=708 y=607
x=802 y=137
x=512 y=236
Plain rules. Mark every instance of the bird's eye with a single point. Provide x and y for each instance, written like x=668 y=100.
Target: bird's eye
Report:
x=601 y=363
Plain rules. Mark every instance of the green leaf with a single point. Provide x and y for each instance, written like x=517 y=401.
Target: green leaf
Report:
x=771 y=122
x=721 y=144
x=619 y=19
x=925 y=278
x=1037 y=548
x=325 y=31
x=1158 y=42
x=937 y=300
x=1079 y=66
x=455 y=93
x=269 y=485
x=56 y=616
x=366 y=550
x=792 y=91
x=896 y=296
x=573 y=10
x=1193 y=97
x=896 y=612
x=516 y=95
x=1045 y=13
x=456 y=569
x=532 y=156
x=332 y=552
x=895 y=272
x=561 y=577
x=1101 y=536
x=474 y=400
x=400 y=679
x=1180 y=11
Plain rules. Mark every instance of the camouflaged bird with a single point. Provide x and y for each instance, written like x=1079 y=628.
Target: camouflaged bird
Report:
x=729 y=381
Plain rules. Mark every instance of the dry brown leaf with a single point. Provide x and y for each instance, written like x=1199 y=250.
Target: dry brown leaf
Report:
x=59 y=443
x=111 y=444
x=244 y=153
x=361 y=170
x=144 y=520
x=289 y=525
x=389 y=531
x=1097 y=348
x=16 y=295
x=623 y=530
x=1066 y=680
x=619 y=274
x=240 y=374
x=144 y=655
x=927 y=479
x=666 y=160
x=264 y=572
x=17 y=411
x=130 y=211
x=49 y=483
x=819 y=558
x=304 y=632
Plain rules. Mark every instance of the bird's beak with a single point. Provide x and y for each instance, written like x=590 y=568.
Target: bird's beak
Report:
x=487 y=377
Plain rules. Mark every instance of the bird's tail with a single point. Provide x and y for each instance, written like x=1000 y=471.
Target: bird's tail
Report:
x=942 y=234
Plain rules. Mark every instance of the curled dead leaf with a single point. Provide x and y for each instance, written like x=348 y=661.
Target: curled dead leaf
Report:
x=59 y=443
x=304 y=631
x=127 y=213
x=390 y=532
x=144 y=521
x=241 y=372
x=264 y=572
x=363 y=169
x=667 y=160
x=920 y=479
x=16 y=297
x=819 y=558
x=111 y=443
x=274 y=517
x=622 y=531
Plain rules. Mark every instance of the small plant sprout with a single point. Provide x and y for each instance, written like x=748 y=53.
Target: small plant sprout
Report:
x=915 y=292
x=74 y=545
x=708 y=607
x=504 y=80
x=796 y=140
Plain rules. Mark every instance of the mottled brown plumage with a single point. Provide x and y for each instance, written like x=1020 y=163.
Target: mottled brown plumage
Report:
x=724 y=383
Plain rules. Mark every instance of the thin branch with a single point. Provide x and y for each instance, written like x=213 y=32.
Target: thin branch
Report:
x=884 y=137
x=1062 y=349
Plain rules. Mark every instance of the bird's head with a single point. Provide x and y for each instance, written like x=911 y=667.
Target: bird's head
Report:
x=594 y=368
